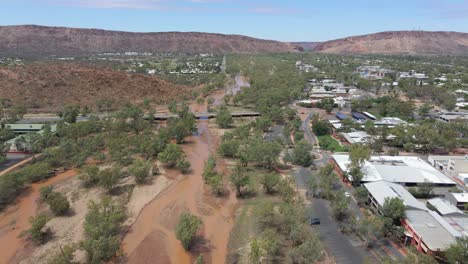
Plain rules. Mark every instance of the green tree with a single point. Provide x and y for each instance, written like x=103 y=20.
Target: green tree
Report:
x=183 y=165
x=321 y=128
x=394 y=208
x=458 y=252
x=270 y=182
x=108 y=178
x=37 y=232
x=362 y=195
x=224 y=117
x=65 y=256
x=140 y=170
x=89 y=175
x=255 y=251
x=229 y=148
x=239 y=179
x=70 y=113
x=311 y=251
x=187 y=228
x=171 y=155
x=301 y=154
x=358 y=154
x=58 y=203
x=102 y=228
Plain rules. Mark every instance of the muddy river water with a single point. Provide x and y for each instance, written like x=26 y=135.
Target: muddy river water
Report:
x=15 y=219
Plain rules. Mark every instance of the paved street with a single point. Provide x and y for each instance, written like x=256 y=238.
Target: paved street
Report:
x=12 y=159
x=345 y=249
x=338 y=245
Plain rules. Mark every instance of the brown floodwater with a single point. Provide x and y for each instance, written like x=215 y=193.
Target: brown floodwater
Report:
x=153 y=232
x=15 y=219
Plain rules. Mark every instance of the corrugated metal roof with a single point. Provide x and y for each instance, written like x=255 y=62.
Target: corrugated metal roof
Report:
x=431 y=228
x=382 y=190
x=400 y=169
x=444 y=207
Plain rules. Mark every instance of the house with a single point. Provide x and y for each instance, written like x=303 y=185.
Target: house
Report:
x=404 y=170
x=450 y=117
x=389 y=122
x=335 y=123
x=357 y=137
x=420 y=77
x=358 y=116
x=341 y=116
x=459 y=200
x=373 y=72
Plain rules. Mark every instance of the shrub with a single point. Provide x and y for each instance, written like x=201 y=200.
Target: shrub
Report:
x=187 y=228
x=58 y=203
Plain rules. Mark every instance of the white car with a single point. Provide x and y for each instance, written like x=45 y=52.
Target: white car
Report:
x=346 y=194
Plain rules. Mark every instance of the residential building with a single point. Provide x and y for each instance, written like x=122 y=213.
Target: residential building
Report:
x=373 y=72
x=389 y=122
x=450 y=117
x=357 y=137
x=404 y=170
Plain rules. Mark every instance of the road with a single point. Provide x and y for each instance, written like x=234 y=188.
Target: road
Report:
x=11 y=160
x=345 y=249
x=339 y=246
x=275 y=132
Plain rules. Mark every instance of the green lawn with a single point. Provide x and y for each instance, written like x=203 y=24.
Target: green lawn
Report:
x=328 y=143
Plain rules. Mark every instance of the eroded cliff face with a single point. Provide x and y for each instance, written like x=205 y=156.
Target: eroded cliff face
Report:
x=399 y=42
x=33 y=40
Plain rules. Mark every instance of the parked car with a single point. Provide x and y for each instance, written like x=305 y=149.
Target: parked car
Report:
x=314 y=221
x=347 y=195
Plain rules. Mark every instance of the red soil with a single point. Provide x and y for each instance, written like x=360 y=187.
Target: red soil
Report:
x=159 y=217
x=15 y=219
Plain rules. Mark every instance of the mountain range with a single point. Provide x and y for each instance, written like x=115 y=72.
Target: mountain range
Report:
x=36 y=41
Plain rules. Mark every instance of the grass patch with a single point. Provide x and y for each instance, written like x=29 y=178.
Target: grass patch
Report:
x=327 y=142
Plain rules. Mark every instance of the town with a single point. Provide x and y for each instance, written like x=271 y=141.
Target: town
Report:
x=381 y=174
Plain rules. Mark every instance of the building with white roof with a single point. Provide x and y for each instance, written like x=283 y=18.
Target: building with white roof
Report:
x=450 y=117
x=460 y=200
x=390 y=122
x=444 y=207
x=427 y=230
x=381 y=190
x=357 y=137
x=404 y=170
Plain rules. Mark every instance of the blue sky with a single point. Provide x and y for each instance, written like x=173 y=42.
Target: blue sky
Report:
x=292 y=20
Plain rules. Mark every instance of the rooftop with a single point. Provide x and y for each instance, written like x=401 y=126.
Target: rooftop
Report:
x=444 y=207
x=382 y=190
x=460 y=197
x=437 y=234
x=397 y=169
x=356 y=137
x=390 y=121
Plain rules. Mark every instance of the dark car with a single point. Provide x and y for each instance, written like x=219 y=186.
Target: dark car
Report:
x=314 y=221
